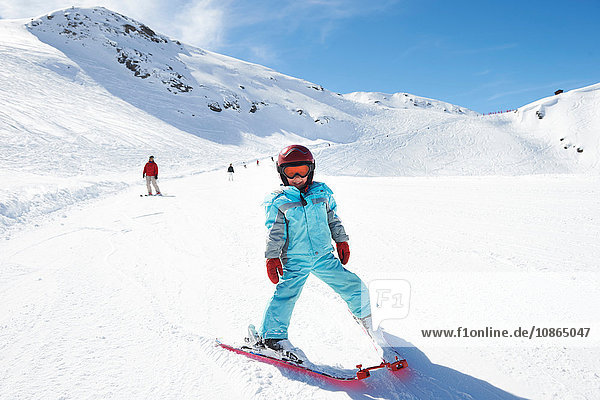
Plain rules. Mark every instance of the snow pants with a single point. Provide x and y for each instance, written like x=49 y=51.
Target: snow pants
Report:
x=152 y=179
x=295 y=272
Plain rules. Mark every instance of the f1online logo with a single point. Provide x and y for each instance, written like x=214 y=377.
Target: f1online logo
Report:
x=390 y=299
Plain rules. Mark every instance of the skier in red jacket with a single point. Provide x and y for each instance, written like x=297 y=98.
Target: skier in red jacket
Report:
x=151 y=175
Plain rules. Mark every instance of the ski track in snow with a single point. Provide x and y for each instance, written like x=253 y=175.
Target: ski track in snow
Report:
x=124 y=297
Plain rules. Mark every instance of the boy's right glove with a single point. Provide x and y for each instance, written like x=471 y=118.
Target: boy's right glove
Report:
x=274 y=269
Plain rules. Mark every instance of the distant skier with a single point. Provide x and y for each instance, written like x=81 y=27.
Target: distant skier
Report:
x=257 y=162
x=230 y=172
x=245 y=166
x=151 y=175
x=301 y=220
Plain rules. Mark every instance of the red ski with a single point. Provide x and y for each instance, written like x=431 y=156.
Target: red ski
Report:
x=329 y=373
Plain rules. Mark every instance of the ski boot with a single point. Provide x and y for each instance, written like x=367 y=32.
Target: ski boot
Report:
x=388 y=354
x=286 y=349
x=253 y=338
x=282 y=348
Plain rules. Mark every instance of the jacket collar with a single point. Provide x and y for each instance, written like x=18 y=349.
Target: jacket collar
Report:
x=294 y=192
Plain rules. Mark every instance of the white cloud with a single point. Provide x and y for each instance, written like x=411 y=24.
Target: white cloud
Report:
x=263 y=54
x=201 y=23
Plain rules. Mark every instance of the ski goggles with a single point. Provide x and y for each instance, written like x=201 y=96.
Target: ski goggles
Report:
x=302 y=170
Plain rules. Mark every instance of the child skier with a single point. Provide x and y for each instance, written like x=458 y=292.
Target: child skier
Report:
x=301 y=222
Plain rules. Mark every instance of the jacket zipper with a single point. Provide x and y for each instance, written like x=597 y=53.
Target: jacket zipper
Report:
x=304 y=203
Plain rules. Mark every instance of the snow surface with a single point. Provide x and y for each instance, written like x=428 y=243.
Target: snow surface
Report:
x=123 y=297
x=105 y=294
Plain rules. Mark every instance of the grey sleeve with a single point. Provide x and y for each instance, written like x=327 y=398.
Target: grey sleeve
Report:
x=277 y=235
x=338 y=233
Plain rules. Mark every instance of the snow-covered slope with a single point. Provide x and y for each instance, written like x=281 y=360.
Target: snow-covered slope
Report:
x=553 y=135
x=411 y=143
x=123 y=298
x=405 y=101
x=569 y=121
x=199 y=92
x=88 y=94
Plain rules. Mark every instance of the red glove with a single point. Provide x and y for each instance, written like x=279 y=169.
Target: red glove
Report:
x=343 y=252
x=274 y=269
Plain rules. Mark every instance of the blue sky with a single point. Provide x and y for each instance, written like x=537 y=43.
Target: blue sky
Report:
x=484 y=55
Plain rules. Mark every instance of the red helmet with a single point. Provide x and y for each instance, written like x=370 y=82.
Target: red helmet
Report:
x=295 y=155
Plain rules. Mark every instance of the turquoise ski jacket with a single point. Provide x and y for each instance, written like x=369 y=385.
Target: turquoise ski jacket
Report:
x=302 y=224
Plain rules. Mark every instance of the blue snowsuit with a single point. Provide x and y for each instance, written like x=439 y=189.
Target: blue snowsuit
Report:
x=301 y=226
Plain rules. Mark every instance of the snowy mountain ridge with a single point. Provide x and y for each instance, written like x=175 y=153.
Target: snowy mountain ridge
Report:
x=155 y=57
x=406 y=100
x=120 y=33
x=88 y=94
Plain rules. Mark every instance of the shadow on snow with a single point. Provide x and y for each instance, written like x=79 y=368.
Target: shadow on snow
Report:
x=421 y=380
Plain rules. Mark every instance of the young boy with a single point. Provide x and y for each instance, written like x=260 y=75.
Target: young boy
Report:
x=301 y=223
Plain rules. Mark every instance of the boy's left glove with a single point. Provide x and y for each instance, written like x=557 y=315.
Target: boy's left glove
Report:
x=343 y=251
x=274 y=269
